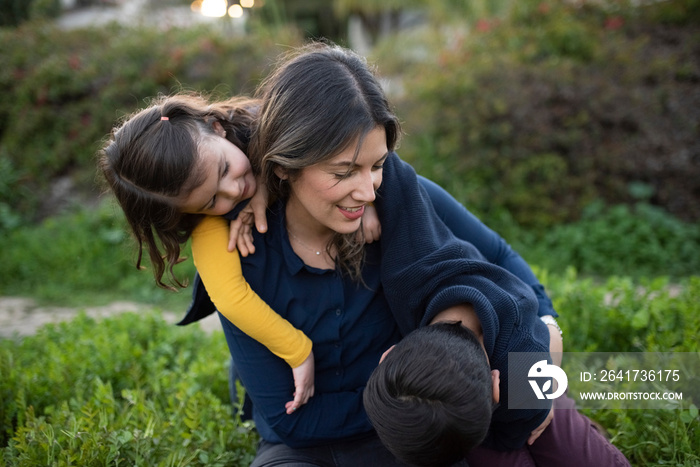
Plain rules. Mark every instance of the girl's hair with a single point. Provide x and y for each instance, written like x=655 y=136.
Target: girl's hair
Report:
x=151 y=160
x=317 y=102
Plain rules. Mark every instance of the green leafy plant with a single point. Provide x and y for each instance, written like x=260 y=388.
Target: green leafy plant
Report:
x=642 y=240
x=131 y=390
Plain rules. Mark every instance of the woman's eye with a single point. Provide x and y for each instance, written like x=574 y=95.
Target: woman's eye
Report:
x=378 y=167
x=226 y=167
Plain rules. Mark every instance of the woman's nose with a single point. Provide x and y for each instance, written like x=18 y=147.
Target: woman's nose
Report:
x=368 y=184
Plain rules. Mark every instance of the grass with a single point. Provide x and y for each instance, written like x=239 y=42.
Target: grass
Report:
x=80 y=258
x=134 y=390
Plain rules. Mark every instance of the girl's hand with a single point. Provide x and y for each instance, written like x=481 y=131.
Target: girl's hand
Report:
x=303 y=384
x=371 y=228
x=241 y=232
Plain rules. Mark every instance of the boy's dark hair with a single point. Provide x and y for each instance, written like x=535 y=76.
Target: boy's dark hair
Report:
x=430 y=400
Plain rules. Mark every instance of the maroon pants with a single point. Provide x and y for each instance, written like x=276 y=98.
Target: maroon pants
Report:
x=570 y=439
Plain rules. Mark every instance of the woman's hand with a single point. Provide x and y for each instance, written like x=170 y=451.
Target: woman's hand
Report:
x=303 y=384
x=371 y=228
x=540 y=429
x=241 y=231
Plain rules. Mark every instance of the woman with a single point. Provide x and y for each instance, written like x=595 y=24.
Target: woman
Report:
x=324 y=133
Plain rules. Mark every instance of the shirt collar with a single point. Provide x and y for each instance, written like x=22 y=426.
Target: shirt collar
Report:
x=280 y=237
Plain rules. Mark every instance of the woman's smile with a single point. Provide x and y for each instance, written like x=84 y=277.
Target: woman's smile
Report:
x=352 y=213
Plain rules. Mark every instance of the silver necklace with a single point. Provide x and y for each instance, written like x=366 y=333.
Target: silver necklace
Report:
x=313 y=250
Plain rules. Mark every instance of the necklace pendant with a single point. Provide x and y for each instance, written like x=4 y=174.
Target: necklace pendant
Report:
x=318 y=252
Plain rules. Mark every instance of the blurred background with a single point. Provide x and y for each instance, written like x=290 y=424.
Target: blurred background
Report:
x=571 y=127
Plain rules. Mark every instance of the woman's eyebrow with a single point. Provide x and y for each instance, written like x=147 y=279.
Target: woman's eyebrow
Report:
x=353 y=163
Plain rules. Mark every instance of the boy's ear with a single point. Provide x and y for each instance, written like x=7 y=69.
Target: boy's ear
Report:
x=495 y=384
x=281 y=173
x=386 y=353
x=219 y=129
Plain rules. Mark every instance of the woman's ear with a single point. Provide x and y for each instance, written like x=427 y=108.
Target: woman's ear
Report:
x=281 y=173
x=219 y=129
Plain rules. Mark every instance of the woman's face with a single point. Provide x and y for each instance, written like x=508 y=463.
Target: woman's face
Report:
x=332 y=195
x=228 y=178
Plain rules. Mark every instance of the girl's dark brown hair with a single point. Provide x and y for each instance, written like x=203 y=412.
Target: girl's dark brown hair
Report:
x=151 y=160
x=317 y=102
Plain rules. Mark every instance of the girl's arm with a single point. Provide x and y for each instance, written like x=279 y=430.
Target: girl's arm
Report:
x=221 y=273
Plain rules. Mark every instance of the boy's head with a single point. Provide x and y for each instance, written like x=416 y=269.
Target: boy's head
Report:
x=431 y=398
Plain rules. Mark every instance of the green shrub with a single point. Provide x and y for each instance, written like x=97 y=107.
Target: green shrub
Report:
x=64 y=90
x=85 y=257
x=553 y=107
x=641 y=240
x=131 y=390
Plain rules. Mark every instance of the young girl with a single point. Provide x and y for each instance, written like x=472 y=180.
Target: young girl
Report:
x=173 y=166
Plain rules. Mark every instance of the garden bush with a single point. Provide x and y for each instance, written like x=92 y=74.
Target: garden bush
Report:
x=555 y=106
x=64 y=91
x=640 y=240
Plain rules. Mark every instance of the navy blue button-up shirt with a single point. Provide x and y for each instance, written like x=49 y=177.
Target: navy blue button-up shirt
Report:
x=349 y=324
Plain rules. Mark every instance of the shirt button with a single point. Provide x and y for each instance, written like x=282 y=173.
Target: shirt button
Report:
x=337 y=372
x=337 y=312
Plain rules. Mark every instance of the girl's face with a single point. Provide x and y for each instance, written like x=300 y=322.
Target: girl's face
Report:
x=228 y=178
x=332 y=195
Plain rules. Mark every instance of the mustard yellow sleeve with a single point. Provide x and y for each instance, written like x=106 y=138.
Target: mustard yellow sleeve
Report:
x=222 y=276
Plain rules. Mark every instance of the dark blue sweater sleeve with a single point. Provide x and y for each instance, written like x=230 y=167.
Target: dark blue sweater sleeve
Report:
x=495 y=249
x=425 y=268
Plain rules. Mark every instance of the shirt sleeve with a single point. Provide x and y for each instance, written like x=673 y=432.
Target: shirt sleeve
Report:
x=496 y=250
x=221 y=273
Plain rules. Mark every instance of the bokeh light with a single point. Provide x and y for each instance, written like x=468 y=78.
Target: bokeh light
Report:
x=214 y=8
x=235 y=11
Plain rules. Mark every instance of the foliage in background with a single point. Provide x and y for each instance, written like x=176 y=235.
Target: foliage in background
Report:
x=84 y=257
x=638 y=240
x=64 y=91
x=542 y=111
x=15 y=12
x=131 y=390
x=134 y=390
